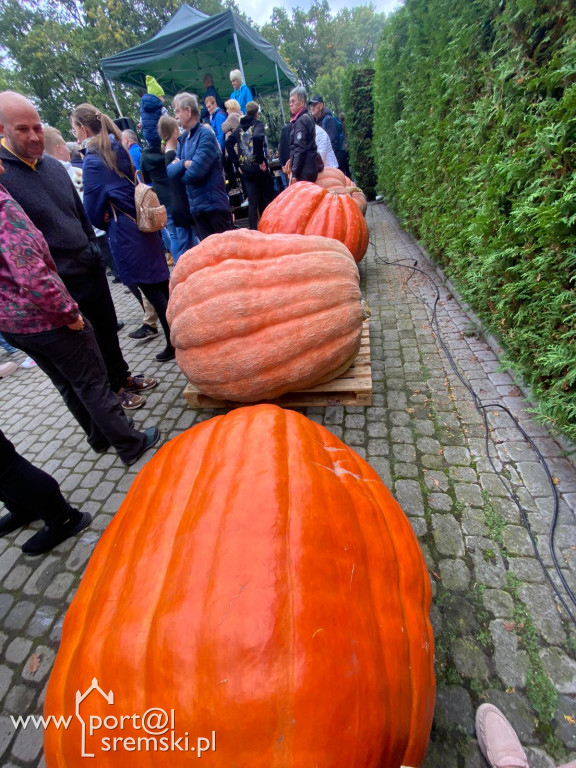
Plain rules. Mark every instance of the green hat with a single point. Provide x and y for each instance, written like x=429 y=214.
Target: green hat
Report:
x=153 y=86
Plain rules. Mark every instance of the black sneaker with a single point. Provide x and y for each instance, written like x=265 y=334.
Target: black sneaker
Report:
x=51 y=535
x=119 y=325
x=167 y=354
x=10 y=522
x=152 y=437
x=144 y=333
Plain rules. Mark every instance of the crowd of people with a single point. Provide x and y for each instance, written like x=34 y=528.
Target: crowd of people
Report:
x=67 y=217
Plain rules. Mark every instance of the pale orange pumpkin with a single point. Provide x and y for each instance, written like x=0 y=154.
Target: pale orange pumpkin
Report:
x=308 y=209
x=259 y=580
x=253 y=316
x=332 y=178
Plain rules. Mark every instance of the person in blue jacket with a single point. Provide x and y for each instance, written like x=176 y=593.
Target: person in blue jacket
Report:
x=198 y=164
x=151 y=110
x=217 y=117
x=109 y=203
x=241 y=92
x=130 y=143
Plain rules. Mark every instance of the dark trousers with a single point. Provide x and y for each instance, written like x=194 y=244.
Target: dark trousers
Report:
x=28 y=491
x=260 y=193
x=157 y=294
x=212 y=222
x=106 y=254
x=73 y=362
x=92 y=294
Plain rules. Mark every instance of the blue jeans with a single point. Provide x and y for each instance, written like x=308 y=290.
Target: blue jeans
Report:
x=166 y=240
x=186 y=238
x=170 y=230
x=8 y=347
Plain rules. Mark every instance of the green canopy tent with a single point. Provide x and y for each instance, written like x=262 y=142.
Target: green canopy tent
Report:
x=193 y=44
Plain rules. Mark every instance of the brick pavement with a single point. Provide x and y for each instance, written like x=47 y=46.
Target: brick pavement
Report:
x=500 y=633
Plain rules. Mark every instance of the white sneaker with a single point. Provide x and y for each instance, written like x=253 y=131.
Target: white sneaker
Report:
x=28 y=363
x=244 y=204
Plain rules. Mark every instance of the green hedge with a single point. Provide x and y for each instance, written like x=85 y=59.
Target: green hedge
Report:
x=474 y=141
x=359 y=110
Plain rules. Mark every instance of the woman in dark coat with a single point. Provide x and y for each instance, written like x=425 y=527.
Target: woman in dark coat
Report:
x=247 y=149
x=109 y=203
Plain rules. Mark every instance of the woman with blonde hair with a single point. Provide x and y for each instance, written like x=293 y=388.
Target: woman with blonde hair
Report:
x=234 y=114
x=241 y=93
x=231 y=124
x=109 y=202
x=183 y=219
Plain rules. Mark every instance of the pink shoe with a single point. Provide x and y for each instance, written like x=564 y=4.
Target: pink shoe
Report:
x=6 y=369
x=498 y=740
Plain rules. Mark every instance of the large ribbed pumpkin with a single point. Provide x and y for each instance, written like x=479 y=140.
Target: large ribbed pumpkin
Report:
x=308 y=209
x=260 y=581
x=253 y=316
x=333 y=178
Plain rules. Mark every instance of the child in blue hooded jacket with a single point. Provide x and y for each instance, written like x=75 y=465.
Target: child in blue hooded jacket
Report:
x=151 y=110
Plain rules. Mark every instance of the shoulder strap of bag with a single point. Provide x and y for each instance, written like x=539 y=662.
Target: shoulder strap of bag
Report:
x=115 y=207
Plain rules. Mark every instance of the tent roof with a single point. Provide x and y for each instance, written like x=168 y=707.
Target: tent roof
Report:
x=193 y=44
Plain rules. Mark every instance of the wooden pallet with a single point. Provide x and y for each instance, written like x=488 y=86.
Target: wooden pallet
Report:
x=354 y=387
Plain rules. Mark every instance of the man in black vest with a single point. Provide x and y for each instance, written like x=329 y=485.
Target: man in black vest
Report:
x=303 y=152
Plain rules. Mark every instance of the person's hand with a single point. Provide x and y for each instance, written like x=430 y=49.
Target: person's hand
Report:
x=77 y=325
x=287 y=168
x=293 y=180
x=187 y=163
x=106 y=217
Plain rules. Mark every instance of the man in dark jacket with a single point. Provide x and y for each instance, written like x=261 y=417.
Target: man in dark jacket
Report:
x=325 y=119
x=210 y=91
x=303 y=152
x=198 y=164
x=247 y=149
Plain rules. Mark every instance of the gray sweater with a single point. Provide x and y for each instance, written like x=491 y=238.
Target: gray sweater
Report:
x=48 y=196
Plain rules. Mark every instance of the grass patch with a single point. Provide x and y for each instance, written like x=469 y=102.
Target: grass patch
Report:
x=541 y=692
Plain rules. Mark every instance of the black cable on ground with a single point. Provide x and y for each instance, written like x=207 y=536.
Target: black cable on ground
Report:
x=482 y=409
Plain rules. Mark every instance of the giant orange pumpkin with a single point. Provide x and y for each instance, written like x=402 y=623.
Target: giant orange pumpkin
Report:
x=308 y=209
x=253 y=316
x=260 y=581
x=333 y=178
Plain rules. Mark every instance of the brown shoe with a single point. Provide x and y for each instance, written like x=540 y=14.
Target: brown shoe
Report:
x=130 y=400
x=140 y=383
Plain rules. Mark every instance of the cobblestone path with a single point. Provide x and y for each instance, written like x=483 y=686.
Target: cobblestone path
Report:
x=501 y=634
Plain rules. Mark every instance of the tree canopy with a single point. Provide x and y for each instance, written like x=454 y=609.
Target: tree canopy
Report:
x=315 y=43
x=52 y=50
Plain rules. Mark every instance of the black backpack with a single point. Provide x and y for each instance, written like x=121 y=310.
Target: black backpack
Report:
x=246 y=146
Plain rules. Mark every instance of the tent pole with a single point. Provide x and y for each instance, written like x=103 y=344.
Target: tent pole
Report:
x=240 y=67
x=280 y=94
x=114 y=97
